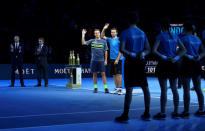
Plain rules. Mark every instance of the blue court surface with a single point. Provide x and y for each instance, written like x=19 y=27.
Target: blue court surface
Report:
x=57 y=108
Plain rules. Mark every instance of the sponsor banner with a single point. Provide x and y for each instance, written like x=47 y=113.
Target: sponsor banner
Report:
x=60 y=70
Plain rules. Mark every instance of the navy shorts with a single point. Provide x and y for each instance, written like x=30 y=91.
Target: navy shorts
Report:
x=97 y=66
x=115 y=68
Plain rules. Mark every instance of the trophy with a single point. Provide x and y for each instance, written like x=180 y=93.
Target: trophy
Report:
x=73 y=58
x=75 y=70
x=78 y=60
x=70 y=58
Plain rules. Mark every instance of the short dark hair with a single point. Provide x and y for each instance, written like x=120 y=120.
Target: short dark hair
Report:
x=114 y=29
x=41 y=38
x=188 y=26
x=165 y=23
x=97 y=29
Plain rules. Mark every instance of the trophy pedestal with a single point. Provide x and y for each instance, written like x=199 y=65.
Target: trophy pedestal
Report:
x=74 y=76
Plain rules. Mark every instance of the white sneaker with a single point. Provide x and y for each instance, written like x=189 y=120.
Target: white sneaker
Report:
x=120 y=91
x=115 y=91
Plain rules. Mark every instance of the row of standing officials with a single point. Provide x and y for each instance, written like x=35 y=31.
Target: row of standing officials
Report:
x=17 y=50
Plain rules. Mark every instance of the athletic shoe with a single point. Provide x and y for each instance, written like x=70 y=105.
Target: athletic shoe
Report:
x=145 y=116
x=11 y=86
x=203 y=89
x=37 y=85
x=95 y=90
x=184 y=114
x=106 y=90
x=174 y=115
x=115 y=91
x=199 y=113
x=160 y=116
x=119 y=91
x=122 y=118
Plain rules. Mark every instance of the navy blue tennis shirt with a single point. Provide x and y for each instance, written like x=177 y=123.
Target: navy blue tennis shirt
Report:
x=98 y=47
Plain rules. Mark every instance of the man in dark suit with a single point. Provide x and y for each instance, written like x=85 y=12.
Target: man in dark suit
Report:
x=41 y=52
x=16 y=51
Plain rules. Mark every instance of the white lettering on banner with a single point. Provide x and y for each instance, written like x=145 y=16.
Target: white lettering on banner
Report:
x=151 y=63
x=67 y=71
x=26 y=71
x=56 y=71
x=61 y=71
x=151 y=69
x=151 y=66
x=86 y=70
x=16 y=72
x=32 y=71
x=176 y=24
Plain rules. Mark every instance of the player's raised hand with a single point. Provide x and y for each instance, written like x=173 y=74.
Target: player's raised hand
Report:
x=84 y=31
x=106 y=26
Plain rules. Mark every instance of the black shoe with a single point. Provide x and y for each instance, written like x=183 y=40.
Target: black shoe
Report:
x=122 y=118
x=199 y=113
x=106 y=90
x=174 y=115
x=95 y=90
x=23 y=85
x=145 y=116
x=160 y=116
x=46 y=85
x=38 y=85
x=11 y=85
x=184 y=114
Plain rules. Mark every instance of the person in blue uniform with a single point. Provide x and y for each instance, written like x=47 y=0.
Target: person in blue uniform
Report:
x=115 y=58
x=134 y=46
x=165 y=48
x=191 y=69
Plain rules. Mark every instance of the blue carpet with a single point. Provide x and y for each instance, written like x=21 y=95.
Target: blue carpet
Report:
x=62 y=109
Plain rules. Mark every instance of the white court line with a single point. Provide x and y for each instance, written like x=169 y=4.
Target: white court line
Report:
x=134 y=93
x=55 y=114
x=56 y=125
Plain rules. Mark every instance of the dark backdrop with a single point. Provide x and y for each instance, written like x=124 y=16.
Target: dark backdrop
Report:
x=61 y=21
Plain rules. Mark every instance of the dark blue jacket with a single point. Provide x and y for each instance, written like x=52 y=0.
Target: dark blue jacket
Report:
x=17 y=53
